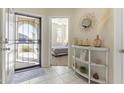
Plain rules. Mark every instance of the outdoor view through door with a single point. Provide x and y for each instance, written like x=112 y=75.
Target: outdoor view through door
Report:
x=28 y=40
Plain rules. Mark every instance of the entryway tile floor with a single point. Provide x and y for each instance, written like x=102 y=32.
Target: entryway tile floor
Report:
x=55 y=75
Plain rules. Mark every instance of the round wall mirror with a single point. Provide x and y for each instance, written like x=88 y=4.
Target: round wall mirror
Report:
x=86 y=23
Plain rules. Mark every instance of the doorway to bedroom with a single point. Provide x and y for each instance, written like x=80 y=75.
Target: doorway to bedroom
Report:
x=27 y=41
x=59 y=41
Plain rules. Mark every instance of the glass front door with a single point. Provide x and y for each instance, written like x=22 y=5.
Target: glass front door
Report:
x=28 y=41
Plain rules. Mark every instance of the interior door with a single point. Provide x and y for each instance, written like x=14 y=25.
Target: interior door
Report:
x=118 y=63
x=122 y=41
x=8 y=45
x=119 y=41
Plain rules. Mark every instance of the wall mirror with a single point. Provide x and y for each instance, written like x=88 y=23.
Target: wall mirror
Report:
x=87 y=22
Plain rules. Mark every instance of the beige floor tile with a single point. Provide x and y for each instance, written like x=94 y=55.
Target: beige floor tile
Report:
x=42 y=82
x=25 y=82
x=38 y=79
x=49 y=70
x=68 y=77
x=78 y=81
x=46 y=77
x=51 y=75
x=61 y=69
x=59 y=61
x=55 y=81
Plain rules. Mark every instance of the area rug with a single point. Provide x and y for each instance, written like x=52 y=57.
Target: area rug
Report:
x=27 y=75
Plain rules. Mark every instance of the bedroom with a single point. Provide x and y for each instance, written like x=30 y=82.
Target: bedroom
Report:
x=59 y=41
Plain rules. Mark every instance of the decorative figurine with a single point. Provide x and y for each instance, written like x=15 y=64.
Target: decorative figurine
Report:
x=95 y=76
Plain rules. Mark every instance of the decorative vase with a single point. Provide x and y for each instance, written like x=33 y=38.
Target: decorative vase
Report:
x=97 y=41
x=95 y=76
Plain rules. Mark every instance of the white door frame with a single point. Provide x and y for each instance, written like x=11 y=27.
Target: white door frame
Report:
x=122 y=45
x=118 y=66
x=0 y=45
x=2 y=61
x=6 y=77
x=50 y=38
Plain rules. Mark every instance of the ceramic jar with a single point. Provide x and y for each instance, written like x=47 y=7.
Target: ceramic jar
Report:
x=97 y=41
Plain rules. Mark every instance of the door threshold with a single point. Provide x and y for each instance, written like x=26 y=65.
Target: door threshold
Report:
x=26 y=69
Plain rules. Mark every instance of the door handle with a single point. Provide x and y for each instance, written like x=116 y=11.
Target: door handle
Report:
x=5 y=49
x=121 y=50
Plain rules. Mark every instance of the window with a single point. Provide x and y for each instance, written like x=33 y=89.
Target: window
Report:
x=59 y=35
x=59 y=31
x=28 y=34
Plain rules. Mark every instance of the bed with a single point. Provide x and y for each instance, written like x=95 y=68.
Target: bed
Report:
x=59 y=51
